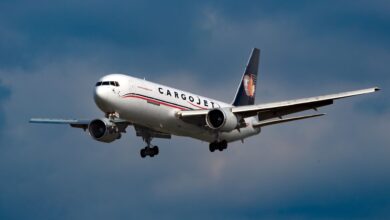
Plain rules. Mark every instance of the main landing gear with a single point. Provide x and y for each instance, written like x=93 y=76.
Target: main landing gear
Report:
x=149 y=150
x=222 y=145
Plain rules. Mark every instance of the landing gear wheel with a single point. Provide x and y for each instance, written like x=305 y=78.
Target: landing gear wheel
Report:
x=223 y=144
x=155 y=150
x=218 y=146
x=149 y=150
x=212 y=147
x=143 y=153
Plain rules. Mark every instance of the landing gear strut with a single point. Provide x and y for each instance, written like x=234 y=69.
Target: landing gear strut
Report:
x=222 y=145
x=149 y=150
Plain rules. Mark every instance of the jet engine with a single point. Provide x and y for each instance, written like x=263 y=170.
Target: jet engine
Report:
x=104 y=130
x=221 y=119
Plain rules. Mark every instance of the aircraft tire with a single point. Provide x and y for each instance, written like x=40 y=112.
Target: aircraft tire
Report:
x=155 y=150
x=212 y=147
x=143 y=153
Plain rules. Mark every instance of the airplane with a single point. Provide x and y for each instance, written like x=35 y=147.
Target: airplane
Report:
x=159 y=111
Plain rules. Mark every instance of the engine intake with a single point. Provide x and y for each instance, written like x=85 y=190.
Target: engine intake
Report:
x=221 y=119
x=103 y=130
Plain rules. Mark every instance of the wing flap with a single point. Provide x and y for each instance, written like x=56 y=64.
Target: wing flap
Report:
x=279 y=112
x=278 y=120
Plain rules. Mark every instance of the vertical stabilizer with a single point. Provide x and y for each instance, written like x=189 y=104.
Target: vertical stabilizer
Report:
x=246 y=92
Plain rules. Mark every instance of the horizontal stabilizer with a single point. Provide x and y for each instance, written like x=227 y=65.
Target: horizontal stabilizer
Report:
x=277 y=121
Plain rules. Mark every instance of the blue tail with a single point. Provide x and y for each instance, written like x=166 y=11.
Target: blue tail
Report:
x=246 y=92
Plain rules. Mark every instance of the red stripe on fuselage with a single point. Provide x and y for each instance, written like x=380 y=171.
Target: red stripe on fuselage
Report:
x=156 y=102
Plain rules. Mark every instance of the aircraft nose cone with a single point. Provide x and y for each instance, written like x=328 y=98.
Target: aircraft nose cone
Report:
x=102 y=98
x=99 y=95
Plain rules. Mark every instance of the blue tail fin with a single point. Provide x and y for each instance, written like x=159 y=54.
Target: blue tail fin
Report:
x=246 y=92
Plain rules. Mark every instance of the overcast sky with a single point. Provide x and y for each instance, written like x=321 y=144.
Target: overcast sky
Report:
x=333 y=167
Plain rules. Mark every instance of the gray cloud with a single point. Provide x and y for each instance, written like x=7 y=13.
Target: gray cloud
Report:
x=4 y=95
x=331 y=167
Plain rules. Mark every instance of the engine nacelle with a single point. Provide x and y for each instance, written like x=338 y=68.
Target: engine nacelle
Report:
x=104 y=130
x=221 y=119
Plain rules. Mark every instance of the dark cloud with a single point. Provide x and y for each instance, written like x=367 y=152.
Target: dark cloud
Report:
x=4 y=95
x=331 y=167
x=84 y=29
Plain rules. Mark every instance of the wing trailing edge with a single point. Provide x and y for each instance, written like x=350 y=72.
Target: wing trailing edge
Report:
x=282 y=120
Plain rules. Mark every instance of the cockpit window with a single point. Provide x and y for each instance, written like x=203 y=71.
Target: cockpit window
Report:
x=108 y=83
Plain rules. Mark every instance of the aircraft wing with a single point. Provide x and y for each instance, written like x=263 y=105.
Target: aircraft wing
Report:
x=122 y=124
x=279 y=109
x=76 y=123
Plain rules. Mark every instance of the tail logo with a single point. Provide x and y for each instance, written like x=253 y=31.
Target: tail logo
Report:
x=249 y=84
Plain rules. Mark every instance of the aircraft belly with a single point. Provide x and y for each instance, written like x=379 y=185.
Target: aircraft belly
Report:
x=160 y=118
x=241 y=134
x=207 y=135
x=163 y=119
x=142 y=113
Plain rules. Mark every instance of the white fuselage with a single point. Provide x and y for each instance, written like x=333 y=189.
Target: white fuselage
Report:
x=154 y=106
